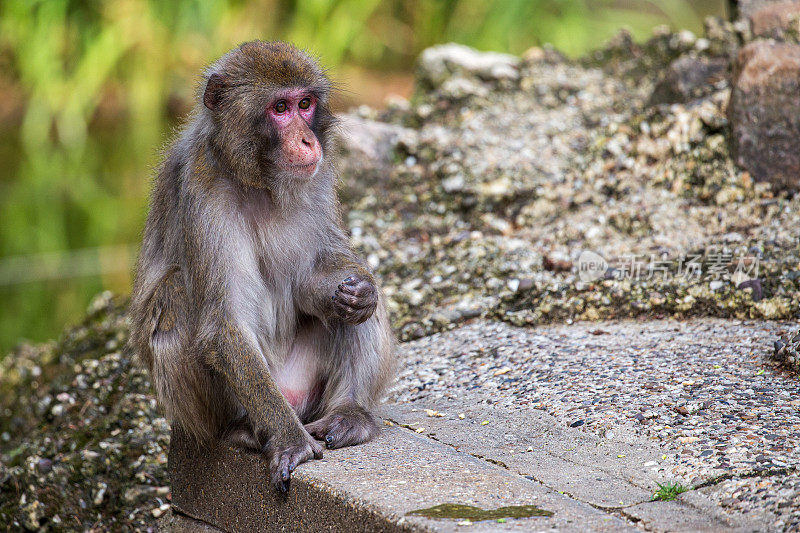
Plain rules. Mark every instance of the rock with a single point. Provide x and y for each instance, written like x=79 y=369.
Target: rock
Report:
x=368 y=150
x=442 y=64
x=787 y=351
x=557 y=262
x=778 y=21
x=688 y=78
x=764 y=112
x=747 y=8
x=44 y=465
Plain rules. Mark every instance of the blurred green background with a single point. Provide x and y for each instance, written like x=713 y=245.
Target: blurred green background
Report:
x=92 y=89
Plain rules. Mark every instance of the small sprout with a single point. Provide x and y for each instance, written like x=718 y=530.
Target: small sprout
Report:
x=668 y=491
x=761 y=372
x=501 y=520
x=620 y=456
x=717 y=367
x=485 y=422
x=420 y=429
x=664 y=456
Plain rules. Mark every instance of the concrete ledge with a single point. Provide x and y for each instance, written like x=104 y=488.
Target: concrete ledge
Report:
x=365 y=488
x=230 y=489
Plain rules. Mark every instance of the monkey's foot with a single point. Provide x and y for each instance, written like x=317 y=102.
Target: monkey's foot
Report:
x=344 y=427
x=285 y=458
x=355 y=299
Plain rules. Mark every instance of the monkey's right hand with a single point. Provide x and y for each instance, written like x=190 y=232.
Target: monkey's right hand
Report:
x=285 y=456
x=355 y=299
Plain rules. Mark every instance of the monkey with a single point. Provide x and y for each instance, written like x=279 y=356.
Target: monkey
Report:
x=258 y=322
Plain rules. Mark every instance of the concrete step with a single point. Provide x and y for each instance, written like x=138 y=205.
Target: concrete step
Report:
x=457 y=433
x=371 y=487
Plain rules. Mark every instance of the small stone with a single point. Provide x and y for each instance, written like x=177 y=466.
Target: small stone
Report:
x=44 y=465
x=158 y=511
x=557 y=263
x=525 y=284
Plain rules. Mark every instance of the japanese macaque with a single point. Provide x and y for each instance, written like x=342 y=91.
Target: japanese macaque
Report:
x=258 y=322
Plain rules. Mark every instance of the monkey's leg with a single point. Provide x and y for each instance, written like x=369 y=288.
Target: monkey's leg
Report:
x=191 y=395
x=240 y=434
x=359 y=366
x=275 y=424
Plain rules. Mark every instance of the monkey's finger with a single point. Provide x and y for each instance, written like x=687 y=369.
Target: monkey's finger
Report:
x=344 y=310
x=362 y=288
x=284 y=466
x=281 y=484
x=353 y=301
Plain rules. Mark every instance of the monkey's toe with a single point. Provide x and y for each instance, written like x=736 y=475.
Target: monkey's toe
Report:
x=350 y=428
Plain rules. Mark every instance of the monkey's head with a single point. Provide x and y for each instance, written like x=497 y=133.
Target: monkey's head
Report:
x=268 y=104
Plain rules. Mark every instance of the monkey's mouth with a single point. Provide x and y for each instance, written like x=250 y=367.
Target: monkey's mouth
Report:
x=310 y=168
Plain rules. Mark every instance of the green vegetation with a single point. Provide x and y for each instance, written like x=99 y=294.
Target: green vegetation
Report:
x=92 y=88
x=668 y=491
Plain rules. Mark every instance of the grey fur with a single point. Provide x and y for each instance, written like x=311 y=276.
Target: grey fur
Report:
x=238 y=274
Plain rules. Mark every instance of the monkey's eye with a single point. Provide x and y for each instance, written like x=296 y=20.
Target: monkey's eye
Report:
x=305 y=103
x=280 y=107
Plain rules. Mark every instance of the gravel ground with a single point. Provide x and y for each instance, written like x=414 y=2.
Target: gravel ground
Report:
x=700 y=388
x=500 y=180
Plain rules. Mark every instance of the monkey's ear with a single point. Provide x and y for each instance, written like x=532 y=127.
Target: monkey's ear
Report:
x=214 y=90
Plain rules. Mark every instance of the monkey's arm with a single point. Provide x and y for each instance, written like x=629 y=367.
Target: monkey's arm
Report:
x=340 y=287
x=274 y=422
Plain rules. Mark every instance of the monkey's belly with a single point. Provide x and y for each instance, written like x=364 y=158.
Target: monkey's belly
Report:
x=298 y=378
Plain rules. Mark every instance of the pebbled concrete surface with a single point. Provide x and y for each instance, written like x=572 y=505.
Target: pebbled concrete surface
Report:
x=606 y=411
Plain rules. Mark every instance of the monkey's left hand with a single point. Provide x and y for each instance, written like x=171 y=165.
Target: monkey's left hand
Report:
x=355 y=299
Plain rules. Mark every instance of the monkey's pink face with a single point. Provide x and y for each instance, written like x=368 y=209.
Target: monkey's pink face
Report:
x=292 y=113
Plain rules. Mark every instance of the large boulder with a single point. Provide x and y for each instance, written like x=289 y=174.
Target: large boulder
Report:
x=764 y=112
x=777 y=21
x=748 y=8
